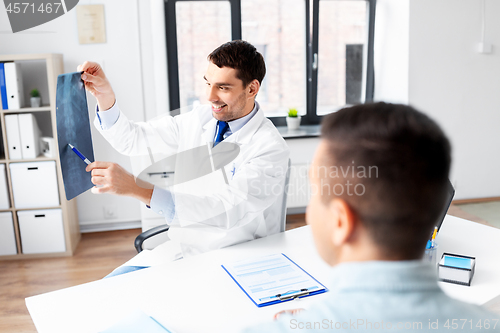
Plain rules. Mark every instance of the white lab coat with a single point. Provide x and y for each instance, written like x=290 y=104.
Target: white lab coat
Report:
x=208 y=217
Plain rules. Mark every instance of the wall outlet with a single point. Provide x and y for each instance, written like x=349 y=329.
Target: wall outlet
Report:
x=484 y=48
x=110 y=212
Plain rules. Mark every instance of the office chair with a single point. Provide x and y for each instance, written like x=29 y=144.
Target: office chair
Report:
x=139 y=240
x=450 y=193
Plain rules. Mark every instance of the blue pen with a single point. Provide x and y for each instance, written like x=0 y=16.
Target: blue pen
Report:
x=86 y=160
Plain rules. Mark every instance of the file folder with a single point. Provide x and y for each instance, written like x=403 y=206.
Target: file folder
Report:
x=14 y=85
x=30 y=135
x=273 y=279
x=3 y=90
x=13 y=137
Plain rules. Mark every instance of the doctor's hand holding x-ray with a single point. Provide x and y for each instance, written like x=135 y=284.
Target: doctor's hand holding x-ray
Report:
x=107 y=176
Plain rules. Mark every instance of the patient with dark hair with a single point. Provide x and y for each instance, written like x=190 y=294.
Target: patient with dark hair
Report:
x=371 y=224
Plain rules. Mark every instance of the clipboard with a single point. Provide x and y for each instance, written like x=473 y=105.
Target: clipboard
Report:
x=273 y=279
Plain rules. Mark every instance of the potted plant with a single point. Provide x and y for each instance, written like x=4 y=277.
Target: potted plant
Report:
x=35 y=98
x=293 y=119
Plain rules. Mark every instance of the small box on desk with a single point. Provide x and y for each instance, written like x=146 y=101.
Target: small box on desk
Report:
x=458 y=269
x=42 y=231
x=7 y=236
x=34 y=184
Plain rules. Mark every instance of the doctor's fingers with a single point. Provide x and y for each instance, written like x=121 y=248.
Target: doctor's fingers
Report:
x=98 y=180
x=99 y=190
x=98 y=85
x=99 y=165
x=91 y=67
x=96 y=81
x=100 y=172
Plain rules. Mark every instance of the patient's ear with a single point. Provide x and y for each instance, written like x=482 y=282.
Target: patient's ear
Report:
x=344 y=223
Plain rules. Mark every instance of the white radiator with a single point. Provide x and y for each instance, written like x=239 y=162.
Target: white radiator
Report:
x=299 y=191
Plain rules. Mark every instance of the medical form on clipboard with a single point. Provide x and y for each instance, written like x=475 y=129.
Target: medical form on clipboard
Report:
x=273 y=279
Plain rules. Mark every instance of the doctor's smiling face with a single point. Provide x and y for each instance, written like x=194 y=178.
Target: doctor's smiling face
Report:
x=234 y=75
x=229 y=97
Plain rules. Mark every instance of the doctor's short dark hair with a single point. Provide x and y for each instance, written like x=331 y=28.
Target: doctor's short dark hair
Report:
x=403 y=201
x=241 y=56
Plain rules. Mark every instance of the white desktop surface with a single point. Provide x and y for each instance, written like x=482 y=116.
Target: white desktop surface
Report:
x=197 y=295
x=459 y=236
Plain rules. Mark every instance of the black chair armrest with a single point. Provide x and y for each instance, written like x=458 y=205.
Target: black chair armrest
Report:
x=147 y=234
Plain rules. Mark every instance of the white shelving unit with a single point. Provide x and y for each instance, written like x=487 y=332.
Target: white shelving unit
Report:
x=41 y=71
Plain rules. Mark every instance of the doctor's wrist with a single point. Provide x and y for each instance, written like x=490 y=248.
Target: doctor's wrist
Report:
x=143 y=194
x=106 y=102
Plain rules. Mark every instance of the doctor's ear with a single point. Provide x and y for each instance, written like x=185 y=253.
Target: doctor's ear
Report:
x=253 y=87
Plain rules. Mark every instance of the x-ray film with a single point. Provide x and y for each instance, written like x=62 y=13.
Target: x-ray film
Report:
x=73 y=127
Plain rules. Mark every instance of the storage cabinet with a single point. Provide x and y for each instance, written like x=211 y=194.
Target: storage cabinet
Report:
x=7 y=235
x=34 y=184
x=36 y=220
x=41 y=231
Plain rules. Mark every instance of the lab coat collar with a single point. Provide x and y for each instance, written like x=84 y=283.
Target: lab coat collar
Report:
x=244 y=135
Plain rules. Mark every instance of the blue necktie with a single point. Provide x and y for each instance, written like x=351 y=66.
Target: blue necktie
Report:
x=223 y=127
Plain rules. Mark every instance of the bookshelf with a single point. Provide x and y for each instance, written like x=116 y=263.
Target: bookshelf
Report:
x=42 y=71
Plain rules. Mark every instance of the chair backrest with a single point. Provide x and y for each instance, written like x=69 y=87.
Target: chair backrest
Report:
x=285 y=196
x=449 y=198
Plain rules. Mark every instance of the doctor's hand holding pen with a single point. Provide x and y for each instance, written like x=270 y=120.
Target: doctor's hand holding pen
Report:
x=112 y=178
x=98 y=85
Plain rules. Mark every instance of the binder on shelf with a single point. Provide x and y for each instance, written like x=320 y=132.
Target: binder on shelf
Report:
x=14 y=85
x=3 y=90
x=4 y=190
x=458 y=269
x=273 y=279
x=30 y=135
x=13 y=137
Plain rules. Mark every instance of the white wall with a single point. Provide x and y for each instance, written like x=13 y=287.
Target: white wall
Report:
x=425 y=55
x=121 y=57
x=391 y=49
x=392 y=26
x=459 y=87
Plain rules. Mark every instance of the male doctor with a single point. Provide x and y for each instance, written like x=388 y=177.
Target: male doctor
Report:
x=244 y=205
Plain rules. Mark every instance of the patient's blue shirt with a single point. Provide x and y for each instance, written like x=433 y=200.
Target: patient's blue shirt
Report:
x=385 y=296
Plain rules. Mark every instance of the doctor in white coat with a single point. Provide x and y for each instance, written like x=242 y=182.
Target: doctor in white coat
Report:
x=215 y=210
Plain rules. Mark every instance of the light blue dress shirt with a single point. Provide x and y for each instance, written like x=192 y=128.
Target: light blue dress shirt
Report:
x=162 y=201
x=384 y=296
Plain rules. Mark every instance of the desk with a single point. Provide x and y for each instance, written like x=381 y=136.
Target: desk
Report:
x=197 y=295
x=460 y=236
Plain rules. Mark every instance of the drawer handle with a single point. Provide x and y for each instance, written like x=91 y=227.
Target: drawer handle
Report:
x=33 y=168
x=161 y=174
x=41 y=215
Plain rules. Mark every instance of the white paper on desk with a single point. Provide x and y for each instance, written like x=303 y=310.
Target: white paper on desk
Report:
x=137 y=322
x=263 y=278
